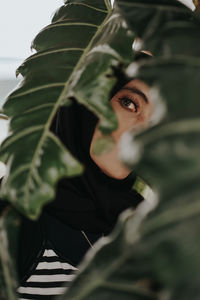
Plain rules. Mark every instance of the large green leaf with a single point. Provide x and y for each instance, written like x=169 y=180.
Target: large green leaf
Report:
x=35 y=157
x=156 y=255
x=157 y=260
x=159 y=256
x=176 y=77
x=162 y=25
x=9 y=226
x=149 y=255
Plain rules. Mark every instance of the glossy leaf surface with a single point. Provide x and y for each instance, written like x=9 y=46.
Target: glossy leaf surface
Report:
x=62 y=49
x=153 y=253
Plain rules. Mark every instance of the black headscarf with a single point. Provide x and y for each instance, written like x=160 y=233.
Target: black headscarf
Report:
x=92 y=201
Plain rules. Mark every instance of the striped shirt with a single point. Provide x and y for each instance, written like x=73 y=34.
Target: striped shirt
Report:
x=47 y=279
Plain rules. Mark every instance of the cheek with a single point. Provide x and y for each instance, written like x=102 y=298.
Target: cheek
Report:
x=148 y=113
x=97 y=133
x=128 y=121
x=125 y=122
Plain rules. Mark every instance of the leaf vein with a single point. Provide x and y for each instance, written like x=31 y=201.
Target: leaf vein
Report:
x=90 y=6
x=42 y=87
x=38 y=107
x=157 y=6
x=19 y=135
x=71 y=24
x=52 y=52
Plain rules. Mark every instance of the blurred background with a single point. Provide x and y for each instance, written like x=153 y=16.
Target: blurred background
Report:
x=20 y=21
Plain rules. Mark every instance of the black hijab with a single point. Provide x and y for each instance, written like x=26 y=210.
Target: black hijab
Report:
x=92 y=201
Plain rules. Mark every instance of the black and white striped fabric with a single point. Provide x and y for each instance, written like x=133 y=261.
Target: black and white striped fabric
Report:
x=48 y=278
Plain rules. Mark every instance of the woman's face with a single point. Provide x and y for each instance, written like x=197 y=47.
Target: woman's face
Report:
x=133 y=109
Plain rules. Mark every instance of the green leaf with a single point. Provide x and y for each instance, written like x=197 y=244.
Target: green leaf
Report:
x=111 y=272
x=154 y=16
x=147 y=256
x=36 y=158
x=170 y=149
x=153 y=253
x=9 y=226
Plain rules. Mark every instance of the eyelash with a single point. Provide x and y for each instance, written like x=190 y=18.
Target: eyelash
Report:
x=120 y=100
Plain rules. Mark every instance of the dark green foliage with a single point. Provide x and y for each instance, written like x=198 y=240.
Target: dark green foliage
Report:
x=9 y=225
x=153 y=253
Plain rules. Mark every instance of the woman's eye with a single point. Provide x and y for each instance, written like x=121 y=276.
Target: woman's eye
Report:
x=128 y=104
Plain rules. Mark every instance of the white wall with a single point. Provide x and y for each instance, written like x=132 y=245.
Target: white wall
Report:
x=23 y=19
x=20 y=21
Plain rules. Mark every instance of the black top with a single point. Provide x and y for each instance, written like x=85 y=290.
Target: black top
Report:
x=69 y=243
x=93 y=200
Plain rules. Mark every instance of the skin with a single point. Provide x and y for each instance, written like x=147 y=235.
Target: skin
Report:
x=133 y=112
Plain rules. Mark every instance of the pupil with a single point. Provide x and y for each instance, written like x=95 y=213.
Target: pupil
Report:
x=127 y=102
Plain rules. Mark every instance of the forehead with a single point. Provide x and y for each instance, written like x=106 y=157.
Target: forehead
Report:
x=139 y=84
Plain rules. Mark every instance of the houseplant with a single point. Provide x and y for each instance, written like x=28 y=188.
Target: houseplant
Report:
x=153 y=251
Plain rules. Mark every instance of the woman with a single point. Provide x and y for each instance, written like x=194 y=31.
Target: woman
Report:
x=86 y=207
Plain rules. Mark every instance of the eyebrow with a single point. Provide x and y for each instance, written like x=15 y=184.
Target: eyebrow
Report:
x=136 y=91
